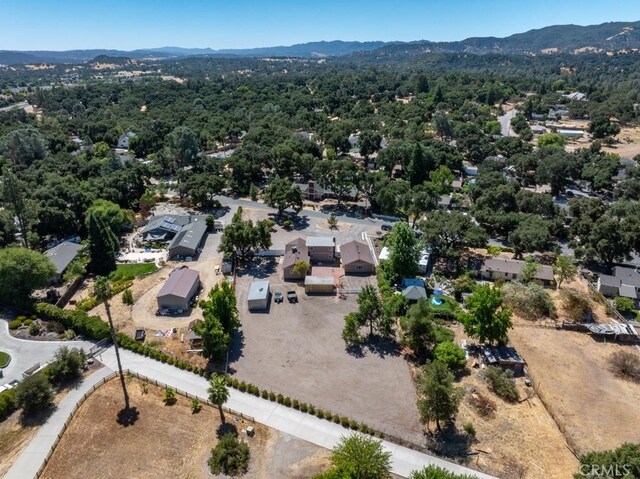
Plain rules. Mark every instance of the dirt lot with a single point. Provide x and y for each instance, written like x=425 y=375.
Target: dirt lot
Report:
x=297 y=349
x=181 y=442
x=629 y=145
x=519 y=440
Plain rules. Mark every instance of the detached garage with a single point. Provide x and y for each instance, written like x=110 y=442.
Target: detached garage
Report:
x=181 y=286
x=258 y=299
x=318 y=285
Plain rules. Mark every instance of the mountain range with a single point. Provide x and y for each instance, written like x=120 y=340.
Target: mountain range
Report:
x=613 y=36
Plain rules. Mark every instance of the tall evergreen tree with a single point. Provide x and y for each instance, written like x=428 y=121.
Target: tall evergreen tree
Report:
x=103 y=245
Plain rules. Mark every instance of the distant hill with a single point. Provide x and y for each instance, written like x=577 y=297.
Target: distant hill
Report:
x=558 y=38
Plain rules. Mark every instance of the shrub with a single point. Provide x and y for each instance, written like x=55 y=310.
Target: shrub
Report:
x=264 y=394
x=196 y=406
x=625 y=365
x=169 y=396
x=312 y=409
x=295 y=404
x=303 y=407
x=272 y=396
x=577 y=305
x=67 y=364
x=319 y=413
x=127 y=296
x=531 y=301
x=230 y=456
x=87 y=304
x=34 y=394
x=15 y=324
x=625 y=305
x=21 y=318
x=502 y=384
x=242 y=386
x=451 y=355
x=280 y=399
x=287 y=401
x=353 y=424
x=336 y=419
x=27 y=322
x=8 y=403
x=344 y=421
x=470 y=429
x=34 y=329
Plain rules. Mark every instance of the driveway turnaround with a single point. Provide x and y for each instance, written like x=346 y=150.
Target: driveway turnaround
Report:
x=25 y=354
x=36 y=452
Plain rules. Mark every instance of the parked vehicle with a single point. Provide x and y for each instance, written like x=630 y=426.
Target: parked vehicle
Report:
x=385 y=227
x=292 y=296
x=277 y=297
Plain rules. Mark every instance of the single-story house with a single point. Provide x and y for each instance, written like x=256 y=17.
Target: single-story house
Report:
x=321 y=248
x=356 y=258
x=414 y=293
x=570 y=133
x=294 y=252
x=314 y=192
x=259 y=295
x=505 y=358
x=123 y=141
x=624 y=282
x=163 y=228
x=318 y=285
x=179 y=289
x=188 y=241
x=456 y=184
x=61 y=256
x=445 y=202
x=511 y=269
x=576 y=96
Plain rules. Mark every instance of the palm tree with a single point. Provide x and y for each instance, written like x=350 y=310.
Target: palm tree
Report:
x=102 y=291
x=219 y=393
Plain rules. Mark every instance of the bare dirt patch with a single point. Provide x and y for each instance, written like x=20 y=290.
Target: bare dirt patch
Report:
x=14 y=437
x=513 y=438
x=167 y=441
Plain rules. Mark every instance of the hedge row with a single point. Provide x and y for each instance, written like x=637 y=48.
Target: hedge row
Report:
x=91 y=327
x=131 y=344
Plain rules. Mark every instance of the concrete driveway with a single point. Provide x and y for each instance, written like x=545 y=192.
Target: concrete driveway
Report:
x=25 y=354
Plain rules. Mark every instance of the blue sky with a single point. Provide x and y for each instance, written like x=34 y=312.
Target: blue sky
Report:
x=131 y=24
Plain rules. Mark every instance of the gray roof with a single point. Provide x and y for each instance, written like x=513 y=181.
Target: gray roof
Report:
x=179 y=283
x=628 y=291
x=354 y=251
x=190 y=236
x=607 y=280
x=627 y=275
x=168 y=223
x=258 y=290
x=295 y=251
x=499 y=355
x=321 y=241
x=414 y=292
x=513 y=266
x=63 y=254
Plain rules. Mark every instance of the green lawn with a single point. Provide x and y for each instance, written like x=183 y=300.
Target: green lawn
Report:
x=449 y=304
x=4 y=359
x=133 y=270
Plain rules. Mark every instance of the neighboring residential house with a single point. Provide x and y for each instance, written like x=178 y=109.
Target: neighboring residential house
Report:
x=538 y=129
x=504 y=358
x=570 y=133
x=576 y=96
x=624 y=282
x=445 y=202
x=179 y=289
x=356 y=258
x=61 y=256
x=187 y=242
x=161 y=229
x=123 y=141
x=537 y=116
x=511 y=269
x=294 y=252
x=406 y=282
x=456 y=185
x=259 y=295
x=354 y=141
x=321 y=248
x=470 y=170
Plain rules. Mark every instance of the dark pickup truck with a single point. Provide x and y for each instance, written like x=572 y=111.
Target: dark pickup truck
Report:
x=292 y=297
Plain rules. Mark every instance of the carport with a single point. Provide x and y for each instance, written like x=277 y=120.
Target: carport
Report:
x=318 y=285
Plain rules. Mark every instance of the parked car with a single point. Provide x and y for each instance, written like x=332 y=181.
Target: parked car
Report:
x=277 y=297
x=292 y=296
x=385 y=227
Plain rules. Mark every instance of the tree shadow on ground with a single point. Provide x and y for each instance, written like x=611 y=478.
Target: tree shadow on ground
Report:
x=37 y=418
x=375 y=344
x=449 y=442
x=354 y=350
x=258 y=267
x=128 y=417
x=226 y=428
x=236 y=348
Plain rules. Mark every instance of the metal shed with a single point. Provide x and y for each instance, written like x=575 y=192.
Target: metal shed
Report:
x=181 y=286
x=259 y=296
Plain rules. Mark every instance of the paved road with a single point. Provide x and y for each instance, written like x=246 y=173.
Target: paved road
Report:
x=25 y=354
x=35 y=453
x=234 y=203
x=288 y=420
x=505 y=123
